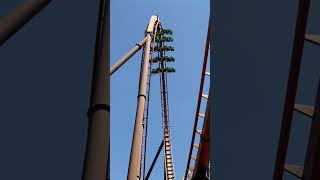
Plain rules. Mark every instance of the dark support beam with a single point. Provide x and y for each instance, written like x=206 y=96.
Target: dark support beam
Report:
x=154 y=161
x=18 y=17
x=96 y=165
x=312 y=161
x=292 y=86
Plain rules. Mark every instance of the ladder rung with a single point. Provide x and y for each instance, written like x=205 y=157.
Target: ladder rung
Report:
x=294 y=170
x=207 y=73
x=201 y=115
x=313 y=38
x=191 y=168
x=304 y=109
x=196 y=145
x=193 y=158
x=205 y=96
x=199 y=131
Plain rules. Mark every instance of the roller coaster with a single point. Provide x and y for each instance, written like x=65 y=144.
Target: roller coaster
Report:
x=155 y=53
x=154 y=44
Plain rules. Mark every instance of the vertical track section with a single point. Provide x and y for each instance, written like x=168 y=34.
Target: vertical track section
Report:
x=146 y=114
x=169 y=170
x=145 y=123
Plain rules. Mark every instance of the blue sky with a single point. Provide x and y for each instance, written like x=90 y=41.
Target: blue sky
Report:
x=189 y=21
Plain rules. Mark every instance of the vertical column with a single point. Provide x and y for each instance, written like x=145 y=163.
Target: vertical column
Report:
x=135 y=155
x=96 y=165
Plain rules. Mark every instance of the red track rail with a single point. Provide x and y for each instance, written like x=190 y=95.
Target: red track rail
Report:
x=199 y=99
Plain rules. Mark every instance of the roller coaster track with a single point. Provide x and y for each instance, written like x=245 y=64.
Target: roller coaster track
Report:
x=146 y=111
x=199 y=168
x=169 y=170
x=152 y=30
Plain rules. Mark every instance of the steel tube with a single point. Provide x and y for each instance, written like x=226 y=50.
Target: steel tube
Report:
x=96 y=165
x=135 y=155
x=126 y=57
x=18 y=17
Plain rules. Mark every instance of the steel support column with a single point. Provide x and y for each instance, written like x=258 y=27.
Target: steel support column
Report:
x=135 y=155
x=96 y=166
x=18 y=17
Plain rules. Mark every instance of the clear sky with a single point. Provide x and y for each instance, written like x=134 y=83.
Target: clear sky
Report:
x=189 y=22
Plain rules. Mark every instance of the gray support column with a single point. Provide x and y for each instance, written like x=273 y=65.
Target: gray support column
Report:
x=135 y=155
x=18 y=17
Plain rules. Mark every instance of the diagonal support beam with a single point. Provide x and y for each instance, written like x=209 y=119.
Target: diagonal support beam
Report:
x=126 y=57
x=154 y=161
x=296 y=56
x=18 y=17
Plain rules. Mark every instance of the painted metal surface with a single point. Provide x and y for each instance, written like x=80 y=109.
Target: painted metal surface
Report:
x=126 y=57
x=135 y=155
x=96 y=165
x=18 y=17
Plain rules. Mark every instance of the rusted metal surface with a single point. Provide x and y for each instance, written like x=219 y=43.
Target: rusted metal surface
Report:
x=96 y=165
x=296 y=56
x=135 y=155
x=199 y=101
x=126 y=57
x=18 y=17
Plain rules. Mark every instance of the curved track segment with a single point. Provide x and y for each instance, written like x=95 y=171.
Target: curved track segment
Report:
x=199 y=154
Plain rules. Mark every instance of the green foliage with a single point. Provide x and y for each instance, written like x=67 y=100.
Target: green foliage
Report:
x=165 y=58
x=164 y=39
x=165 y=31
x=166 y=69
x=163 y=48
